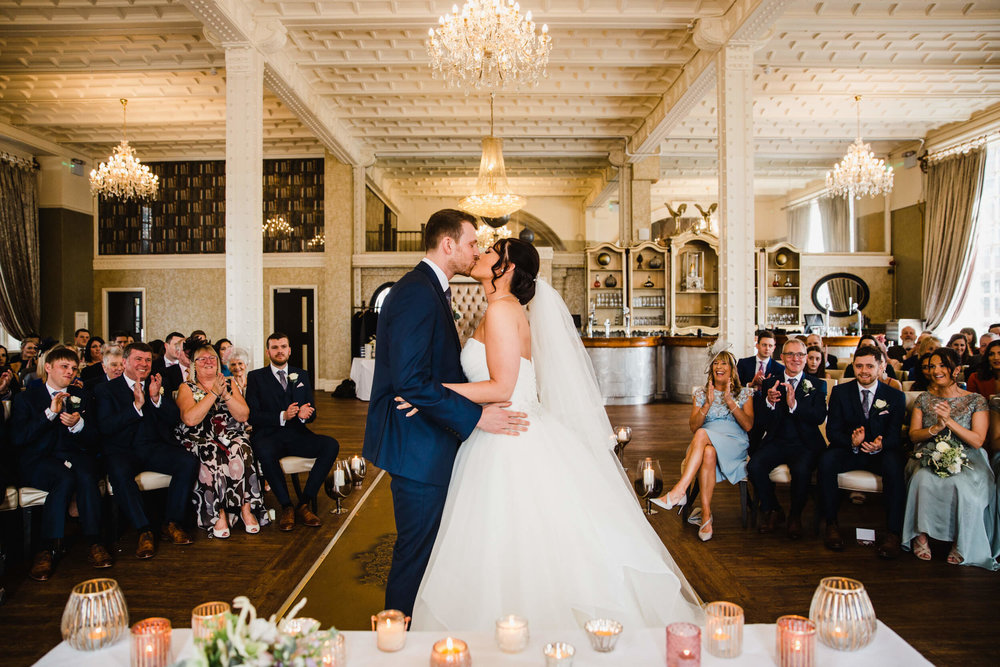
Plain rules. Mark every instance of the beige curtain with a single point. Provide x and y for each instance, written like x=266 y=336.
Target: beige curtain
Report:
x=20 y=308
x=835 y=214
x=953 y=188
x=798 y=225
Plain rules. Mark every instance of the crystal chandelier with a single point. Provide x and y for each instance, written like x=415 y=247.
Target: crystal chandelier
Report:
x=492 y=197
x=123 y=176
x=277 y=225
x=488 y=46
x=489 y=233
x=860 y=173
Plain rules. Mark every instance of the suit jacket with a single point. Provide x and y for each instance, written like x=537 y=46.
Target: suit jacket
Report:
x=123 y=429
x=172 y=376
x=846 y=415
x=35 y=436
x=92 y=382
x=418 y=350
x=267 y=400
x=782 y=426
x=746 y=368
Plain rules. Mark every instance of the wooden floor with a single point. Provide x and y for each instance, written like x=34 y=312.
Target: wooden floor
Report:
x=947 y=612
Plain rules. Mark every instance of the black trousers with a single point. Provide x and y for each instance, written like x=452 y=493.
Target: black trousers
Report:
x=50 y=473
x=889 y=465
x=801 y=461
x=417 y=508
x=181 y=465
x=269 y=448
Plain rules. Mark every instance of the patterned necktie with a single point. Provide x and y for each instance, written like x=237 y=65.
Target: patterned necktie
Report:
x=791 y=384
x=282 y=380
x=447 y=294
x=866 y=401
x=761 y=369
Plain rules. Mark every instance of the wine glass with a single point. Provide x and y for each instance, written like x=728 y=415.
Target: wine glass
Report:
x=339 y=484
x=648 y=481
x=624 y=435
x=358 y=469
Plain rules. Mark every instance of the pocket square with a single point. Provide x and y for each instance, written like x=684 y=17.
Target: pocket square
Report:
x=301 y=384
x=884 y=412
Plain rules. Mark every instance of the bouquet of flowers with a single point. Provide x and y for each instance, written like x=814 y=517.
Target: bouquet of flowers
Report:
x=943 y=454
x=245 y=639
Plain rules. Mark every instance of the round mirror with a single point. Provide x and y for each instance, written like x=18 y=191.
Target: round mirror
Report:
x=841 y=293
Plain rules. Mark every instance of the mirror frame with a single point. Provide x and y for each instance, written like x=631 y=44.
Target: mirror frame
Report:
x=862 y=302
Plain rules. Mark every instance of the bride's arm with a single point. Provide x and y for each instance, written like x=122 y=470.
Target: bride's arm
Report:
x=503 y=354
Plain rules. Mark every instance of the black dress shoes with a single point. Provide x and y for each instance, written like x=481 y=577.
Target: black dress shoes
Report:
x=770 y=521
x=833 y=540
x=794 y=527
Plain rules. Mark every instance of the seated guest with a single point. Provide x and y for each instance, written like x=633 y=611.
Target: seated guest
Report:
x=112 y=365
x=815 y=361
x=222 y=347
x=754 y=370
x=951 y=509
x=281 y=404
x=54 y=434
x=11 y=386
x=8 y=460
x=92 y=373
x=870 y=341
x=960 y=344
x=970 y=338
x=922 y=381
x=26 y=368
x=81 y=337
x=120 y=338
x=175 y=366
x=239 y=364
x=198 y=333
x=983 y=380
x=93 y=354
x=721 y=415
x=863 y=426
x=830 y=360
x=213 y=428
x=980 y=352
x=995 y=329
x=926 y=343
x=907 y=343
x=790 y=409
x=137 y=422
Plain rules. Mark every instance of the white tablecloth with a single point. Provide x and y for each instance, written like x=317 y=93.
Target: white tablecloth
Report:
x=635 y=649
x=362 y=372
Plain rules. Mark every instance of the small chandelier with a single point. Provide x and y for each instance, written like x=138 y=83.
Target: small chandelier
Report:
x=277 y=225
x=488 y=46
x=492 y=197
x=860 y=173
x=123 y=176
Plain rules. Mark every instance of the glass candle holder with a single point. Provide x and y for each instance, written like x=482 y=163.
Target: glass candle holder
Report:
x=151 y=643
x=390 y=629
x=683 y=645
x=208 y=618
x=603 y=633
x=512 y=633
x=724 y=626
x=333 y=651
x=843 y=614
x=795 y=642
x=559 y=654
x=451 y=652
x=95 y=615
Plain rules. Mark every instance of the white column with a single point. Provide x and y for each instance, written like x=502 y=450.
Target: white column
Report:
x=736 y=195
x=244 y=200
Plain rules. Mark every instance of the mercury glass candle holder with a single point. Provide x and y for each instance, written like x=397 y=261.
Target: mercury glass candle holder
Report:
x=683 y=645
x=559 y=654
x=151 y=643
x=512 y=633
x=603 y=634
x=724 y=626
x=95 y=615
x=843 y=614
x=451 y=652
x=795 y=639
x=208 y=618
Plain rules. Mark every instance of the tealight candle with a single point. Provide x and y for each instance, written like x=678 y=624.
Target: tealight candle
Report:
x=512 y=633
x=724 y=625
x=559 y=654
x=795 y=641
x=151 y=643
x=451 y=652
x=390 y=630
x=683 y=645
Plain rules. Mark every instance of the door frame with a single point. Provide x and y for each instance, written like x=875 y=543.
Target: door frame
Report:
x=315 y=316
x=104 y=308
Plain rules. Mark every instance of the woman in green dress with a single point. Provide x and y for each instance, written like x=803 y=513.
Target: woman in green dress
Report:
x=958 y=508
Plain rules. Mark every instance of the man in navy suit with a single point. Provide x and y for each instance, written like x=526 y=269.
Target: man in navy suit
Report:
x=55 y=435
x=753 y=371
x=173 y=365
x=864 y=426
x=281 y=404
x=791 y=407
x=418 y=350
x=137 y=421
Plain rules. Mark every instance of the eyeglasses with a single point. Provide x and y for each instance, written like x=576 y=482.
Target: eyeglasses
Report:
x=794 y=355
x=207 y=361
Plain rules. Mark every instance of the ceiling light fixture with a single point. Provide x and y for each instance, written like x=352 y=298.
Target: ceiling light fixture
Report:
x=860 y=173
x=492 y=197
x=123 y=176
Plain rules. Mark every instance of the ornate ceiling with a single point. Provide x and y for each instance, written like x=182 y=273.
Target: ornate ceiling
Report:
x=623 y=73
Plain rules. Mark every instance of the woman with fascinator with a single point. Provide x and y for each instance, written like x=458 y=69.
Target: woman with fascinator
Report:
x=721 y=415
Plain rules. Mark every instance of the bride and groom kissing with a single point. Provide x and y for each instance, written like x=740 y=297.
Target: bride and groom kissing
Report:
x=543 y=524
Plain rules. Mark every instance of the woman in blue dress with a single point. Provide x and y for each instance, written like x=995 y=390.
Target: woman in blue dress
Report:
x=721 y=415
x=959 y=508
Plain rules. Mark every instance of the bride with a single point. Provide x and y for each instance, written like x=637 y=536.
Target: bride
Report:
x=544 y=525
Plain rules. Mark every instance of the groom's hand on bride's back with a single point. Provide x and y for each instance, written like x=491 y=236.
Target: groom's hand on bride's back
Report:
x=495 y=419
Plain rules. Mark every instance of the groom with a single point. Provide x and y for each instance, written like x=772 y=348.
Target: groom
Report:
x=418 y=350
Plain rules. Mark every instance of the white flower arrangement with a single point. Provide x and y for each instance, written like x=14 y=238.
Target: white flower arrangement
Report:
x=879 y=404
x=944 y=455
x=292 y=377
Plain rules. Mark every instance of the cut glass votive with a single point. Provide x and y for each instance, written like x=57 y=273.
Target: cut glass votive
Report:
x=795 y=642
x=151 y=643
x=724 y=627
x=683 y=645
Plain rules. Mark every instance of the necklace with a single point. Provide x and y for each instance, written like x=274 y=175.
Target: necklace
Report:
x=505 y=296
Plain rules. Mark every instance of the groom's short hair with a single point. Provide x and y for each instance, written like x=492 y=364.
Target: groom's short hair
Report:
x=446 y=222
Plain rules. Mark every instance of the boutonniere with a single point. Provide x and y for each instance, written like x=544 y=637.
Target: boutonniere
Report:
x=806 y=387
x=161 y=391
x=74 y=401
x=293 y=376
x=455 y=312
x=880 y=404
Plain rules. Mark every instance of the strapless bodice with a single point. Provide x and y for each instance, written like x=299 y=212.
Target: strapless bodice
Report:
x=525 y=394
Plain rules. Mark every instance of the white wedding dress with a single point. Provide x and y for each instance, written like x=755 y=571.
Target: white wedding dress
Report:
x=544 y=527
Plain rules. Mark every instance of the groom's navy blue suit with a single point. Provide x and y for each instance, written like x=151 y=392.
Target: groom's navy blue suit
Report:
x=418 y=349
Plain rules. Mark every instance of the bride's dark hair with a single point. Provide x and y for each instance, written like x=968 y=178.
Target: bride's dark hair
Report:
x=524 y=257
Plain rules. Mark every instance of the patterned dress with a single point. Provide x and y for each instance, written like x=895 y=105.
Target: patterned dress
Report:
x=727 y=436
x=959 y=508
x=228 y=475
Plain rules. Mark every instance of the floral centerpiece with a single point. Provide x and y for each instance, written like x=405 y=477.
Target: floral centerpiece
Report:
x=246 y=639
x=943 y=454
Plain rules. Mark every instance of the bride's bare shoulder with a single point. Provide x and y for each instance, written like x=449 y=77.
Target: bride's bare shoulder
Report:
x=504 y=312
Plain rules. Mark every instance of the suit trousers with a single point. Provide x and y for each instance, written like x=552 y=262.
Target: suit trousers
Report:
x=270 y=447
x=417 y=508
x=801 y=461
x=180 y=464
x=49 y=473
x=889 y=465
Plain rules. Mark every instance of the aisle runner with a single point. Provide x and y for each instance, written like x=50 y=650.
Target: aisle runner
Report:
x=347 y=584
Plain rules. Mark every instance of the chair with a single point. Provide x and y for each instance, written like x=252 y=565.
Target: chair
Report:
x=835 y=373
x=30 y=500
x=294 y=466
x=7 y=504
x=782 y=474
x=907 y=384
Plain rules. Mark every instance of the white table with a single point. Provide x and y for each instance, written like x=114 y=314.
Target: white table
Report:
x=636 y=648
x=362 y=372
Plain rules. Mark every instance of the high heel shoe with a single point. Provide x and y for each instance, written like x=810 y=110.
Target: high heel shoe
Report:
x=669 y=504
x=220 y=534
x=705 y=535
x=252 y=529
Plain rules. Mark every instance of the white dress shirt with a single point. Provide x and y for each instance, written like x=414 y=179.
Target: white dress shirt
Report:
x=51 y=416
x=131 y=386
x=443 y=279
x=274 y=371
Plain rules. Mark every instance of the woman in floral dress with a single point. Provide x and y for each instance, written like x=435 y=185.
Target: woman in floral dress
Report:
x=213 y=427
x=957 y=508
